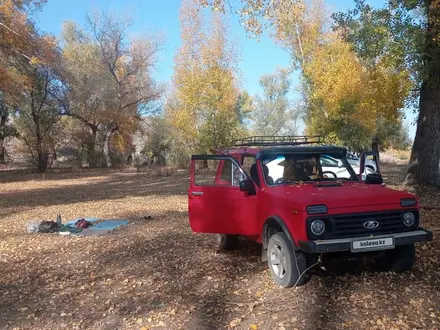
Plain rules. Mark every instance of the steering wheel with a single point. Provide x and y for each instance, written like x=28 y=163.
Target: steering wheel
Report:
x=279 y=181
x=330 y=175
x=369 y=169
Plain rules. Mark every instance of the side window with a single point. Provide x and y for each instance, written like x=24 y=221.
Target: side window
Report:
x=205 y=171
x=226 y=173
x=213 y=172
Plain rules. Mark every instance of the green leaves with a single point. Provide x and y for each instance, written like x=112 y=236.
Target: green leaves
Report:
x=274 y=113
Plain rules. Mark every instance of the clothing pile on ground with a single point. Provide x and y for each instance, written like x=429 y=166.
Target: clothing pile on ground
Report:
x=76 y=227
x=54 y=227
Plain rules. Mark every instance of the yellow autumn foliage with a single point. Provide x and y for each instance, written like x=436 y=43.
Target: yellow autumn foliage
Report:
x=205 y=89
x=20 y=44
x=345 y=92
x=347 y=100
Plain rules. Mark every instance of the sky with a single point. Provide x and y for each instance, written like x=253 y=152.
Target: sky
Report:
x=162 y=17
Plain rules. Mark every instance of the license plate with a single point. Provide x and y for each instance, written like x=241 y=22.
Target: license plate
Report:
x=373 y=244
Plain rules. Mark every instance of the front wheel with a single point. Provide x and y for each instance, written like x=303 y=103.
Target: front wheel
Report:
x=287 y=267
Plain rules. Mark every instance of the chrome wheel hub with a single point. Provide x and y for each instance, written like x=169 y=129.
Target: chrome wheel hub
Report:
x=277 y=261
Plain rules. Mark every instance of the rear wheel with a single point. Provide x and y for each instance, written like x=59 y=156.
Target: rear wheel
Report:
x=287 y=267
x=226 y=242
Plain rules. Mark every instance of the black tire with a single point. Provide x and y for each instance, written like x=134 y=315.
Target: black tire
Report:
x=287 y=272
x=226 y=242
x=400 y=259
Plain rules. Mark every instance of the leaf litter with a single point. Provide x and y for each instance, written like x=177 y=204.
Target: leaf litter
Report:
x=157 y=274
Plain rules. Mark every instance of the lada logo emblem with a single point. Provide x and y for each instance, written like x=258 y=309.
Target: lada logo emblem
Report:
x=371 y=224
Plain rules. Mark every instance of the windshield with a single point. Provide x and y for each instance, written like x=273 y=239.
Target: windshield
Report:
x=294 y=167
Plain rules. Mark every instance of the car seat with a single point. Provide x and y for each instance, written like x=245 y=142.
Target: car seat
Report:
x=254 y=174
x=269 y=179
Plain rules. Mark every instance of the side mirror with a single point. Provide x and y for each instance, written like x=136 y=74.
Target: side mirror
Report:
x=373 y=179
x=340 y=164
x=247 y=185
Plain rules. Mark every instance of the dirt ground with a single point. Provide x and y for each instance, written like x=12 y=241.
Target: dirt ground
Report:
x=157 y=274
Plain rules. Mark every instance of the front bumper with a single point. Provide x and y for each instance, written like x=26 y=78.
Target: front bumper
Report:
x=345 y=244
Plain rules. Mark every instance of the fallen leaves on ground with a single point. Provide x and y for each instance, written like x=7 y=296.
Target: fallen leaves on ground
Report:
x=157 y=274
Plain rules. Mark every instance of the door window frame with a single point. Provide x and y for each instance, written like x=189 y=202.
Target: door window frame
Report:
x=219 y=170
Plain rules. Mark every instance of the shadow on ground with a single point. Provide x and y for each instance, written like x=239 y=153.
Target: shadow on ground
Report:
x=108 y=187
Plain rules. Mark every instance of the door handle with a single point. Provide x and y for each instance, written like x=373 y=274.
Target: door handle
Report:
x=197 y=193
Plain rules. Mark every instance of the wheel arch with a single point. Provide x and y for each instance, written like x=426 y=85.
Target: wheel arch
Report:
x=276 y=223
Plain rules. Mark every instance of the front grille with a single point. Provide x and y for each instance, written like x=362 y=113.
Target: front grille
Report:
x=352 y=225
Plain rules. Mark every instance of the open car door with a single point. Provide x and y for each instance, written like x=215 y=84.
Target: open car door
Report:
x=369 y=168
x=215 y=202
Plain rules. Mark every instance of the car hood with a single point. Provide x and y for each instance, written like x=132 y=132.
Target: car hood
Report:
x=345 y=195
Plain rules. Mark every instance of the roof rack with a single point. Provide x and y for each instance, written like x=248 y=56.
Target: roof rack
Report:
x=293 y=140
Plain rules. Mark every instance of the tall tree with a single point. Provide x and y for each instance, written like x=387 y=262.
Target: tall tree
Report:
x=129 y=65
x=274 y=113
x=38 y=115
x=28 y=62
x=425 y=155
x=88 y=83
x=204 y=105
x=348 y=101
x=21 y=45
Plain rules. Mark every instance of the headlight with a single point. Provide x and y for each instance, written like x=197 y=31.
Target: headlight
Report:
x=317 y=209
x=405 y=202
x=317 y=227
x=409 y=219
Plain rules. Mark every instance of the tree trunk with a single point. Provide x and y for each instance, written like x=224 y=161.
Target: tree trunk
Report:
x=375 y=147
x=106 y=148
x=2 y=152
x=42 y=156
x=91 y=148
x=425 y=155
x=3 y=120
